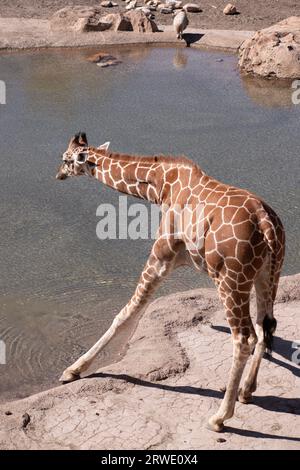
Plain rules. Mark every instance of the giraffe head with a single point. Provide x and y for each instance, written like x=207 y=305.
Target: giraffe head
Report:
x=75 y=158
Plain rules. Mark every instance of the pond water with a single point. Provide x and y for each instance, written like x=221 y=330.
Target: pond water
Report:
x=60 y=285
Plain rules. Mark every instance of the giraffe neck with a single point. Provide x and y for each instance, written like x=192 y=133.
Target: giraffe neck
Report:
x=128 y=174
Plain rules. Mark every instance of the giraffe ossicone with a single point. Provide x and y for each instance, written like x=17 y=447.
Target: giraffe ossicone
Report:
x=104 y=146
x=243 y=246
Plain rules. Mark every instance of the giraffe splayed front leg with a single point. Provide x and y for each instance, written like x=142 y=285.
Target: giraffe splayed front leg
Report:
x=159 y=265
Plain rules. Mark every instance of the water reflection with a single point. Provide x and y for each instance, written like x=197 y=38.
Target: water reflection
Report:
x=270 y=93
x=180 y=59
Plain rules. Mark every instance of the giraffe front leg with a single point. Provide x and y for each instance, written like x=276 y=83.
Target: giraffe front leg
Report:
x=159 y=264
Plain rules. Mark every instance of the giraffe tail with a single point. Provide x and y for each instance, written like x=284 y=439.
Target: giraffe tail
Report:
x=269 y=327
x=267 y=228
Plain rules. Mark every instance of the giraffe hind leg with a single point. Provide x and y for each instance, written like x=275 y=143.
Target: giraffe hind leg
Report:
x=266 y=288
x=244 y=339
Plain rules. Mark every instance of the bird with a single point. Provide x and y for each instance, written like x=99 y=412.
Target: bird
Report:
x=180 y=23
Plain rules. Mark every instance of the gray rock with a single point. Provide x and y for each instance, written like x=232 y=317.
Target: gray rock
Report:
x=192 y=8
x=77 y=19
x=107 y=4
x=141 y=23
x=230 y=9
x=274 y=51
x=131 y=5
x=166 y=10
x=117 y=22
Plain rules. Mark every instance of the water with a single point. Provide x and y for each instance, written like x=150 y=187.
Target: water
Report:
x=60 y=285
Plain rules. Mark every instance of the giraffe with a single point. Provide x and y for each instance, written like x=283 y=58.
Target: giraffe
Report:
x=242 y=245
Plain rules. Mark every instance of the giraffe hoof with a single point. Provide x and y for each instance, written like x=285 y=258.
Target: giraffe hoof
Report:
x=223 y=389
x=213 y=425
x=69 y=376
x=243 y=398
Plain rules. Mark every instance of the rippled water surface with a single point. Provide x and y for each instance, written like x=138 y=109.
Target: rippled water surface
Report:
x=60 y=285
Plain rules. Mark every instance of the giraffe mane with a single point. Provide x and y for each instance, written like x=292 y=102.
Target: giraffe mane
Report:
x=146 y=158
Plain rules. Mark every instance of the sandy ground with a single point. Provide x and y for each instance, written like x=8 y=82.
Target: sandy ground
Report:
x=253 y=15
x=161 y=393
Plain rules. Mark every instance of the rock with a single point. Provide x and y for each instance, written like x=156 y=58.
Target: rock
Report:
x=77 y=19
x=145 y=10
x=192 y=8
x=131 y=5
x=273 y=51
x=171 y=4
x=180 y=23
x=108 y=62
x=117 y=22
x=8 y=413
x=166 y=10
x=102 y=59
x=230 y=9
x=108 y=4
x=134 y=20
x=141 y=23
x=178 y=4
x=152 y=3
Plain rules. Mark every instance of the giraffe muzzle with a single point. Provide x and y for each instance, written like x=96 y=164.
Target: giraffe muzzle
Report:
x=62 y=173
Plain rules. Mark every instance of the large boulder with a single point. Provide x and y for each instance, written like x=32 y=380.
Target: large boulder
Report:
x=84 y=19
x=141 y=23
x=117 y=22
x=78 y=19
x=274 y=51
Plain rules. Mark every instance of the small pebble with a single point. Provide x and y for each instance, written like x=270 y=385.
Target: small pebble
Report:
x=8 y=413
x=219 y=60
x=97 y=414
x=221 y=439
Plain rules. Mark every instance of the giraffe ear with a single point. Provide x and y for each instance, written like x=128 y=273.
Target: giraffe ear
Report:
x=82 y=139
x=81 y=157
x=104 y=146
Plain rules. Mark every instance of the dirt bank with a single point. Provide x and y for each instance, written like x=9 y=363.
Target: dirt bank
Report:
x=160 y=394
